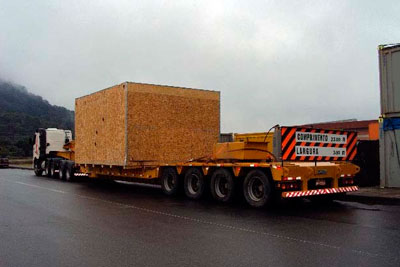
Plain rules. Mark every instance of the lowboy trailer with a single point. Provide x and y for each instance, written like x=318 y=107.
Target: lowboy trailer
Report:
x=289 y=162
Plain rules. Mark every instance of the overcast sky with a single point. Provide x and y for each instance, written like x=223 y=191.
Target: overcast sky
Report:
x=286 y=62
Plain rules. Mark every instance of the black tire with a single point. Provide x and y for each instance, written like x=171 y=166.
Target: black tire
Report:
x=170 y=181
x=53 y=167
x=44 y=168
x=257 y=189
x=48 y=168
x=194 y=183
x=222 y=186
x=62 y=170
x=37 y=167
x=69 y=172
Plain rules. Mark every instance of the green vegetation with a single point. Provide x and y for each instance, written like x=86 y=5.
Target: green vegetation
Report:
x=21 y=113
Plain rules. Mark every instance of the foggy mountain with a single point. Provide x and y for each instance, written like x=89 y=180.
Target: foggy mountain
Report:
x=21 y=113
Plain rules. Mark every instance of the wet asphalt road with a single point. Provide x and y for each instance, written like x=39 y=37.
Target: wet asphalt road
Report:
x=47 y=222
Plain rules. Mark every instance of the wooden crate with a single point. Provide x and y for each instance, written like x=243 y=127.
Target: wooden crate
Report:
x=133 y=124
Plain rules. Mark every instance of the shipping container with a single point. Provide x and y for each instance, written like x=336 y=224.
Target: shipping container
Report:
x=134 y=124
x=389 y=73
x=389 y=145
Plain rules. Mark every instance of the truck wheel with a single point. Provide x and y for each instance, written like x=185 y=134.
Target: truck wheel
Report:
x=62 y=170
x=37 y=168
x=69 y=172
x=194 y=183
x=54 y=174
x=170 y=181
x=222 y=186
x=48 y=168
x=257 y=189
x=43 y=166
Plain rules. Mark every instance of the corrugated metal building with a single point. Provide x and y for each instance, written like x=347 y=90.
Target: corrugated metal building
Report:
x=389 y=137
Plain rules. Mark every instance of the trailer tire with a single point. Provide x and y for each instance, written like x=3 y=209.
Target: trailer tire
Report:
x=170 y=181
x=257 y=189
x=194 y=183
x=37 y=167
x=222 y=186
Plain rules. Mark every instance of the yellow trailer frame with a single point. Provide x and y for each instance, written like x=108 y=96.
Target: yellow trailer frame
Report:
x=281 y=173
x=248 y=152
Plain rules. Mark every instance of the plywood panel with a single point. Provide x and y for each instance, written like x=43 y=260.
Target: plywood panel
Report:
x=115 y=126
x=169 y=124
x=100 y=124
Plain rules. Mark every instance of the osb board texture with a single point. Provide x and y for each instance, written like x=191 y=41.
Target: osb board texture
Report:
x=170 y=124
x=100 y=127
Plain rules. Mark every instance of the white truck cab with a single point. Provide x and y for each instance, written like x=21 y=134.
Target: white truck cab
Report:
x=50 y=140
x=47 y=142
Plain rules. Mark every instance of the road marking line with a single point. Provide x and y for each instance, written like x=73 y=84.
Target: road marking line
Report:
x=226 y=226
x=46 y=188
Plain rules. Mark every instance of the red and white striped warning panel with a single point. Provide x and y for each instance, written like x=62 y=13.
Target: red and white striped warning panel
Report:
x=316 y=192
x=306 y=144
x=81 y=174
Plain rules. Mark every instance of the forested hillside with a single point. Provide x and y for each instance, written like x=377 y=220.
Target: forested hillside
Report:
x=21 y=113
